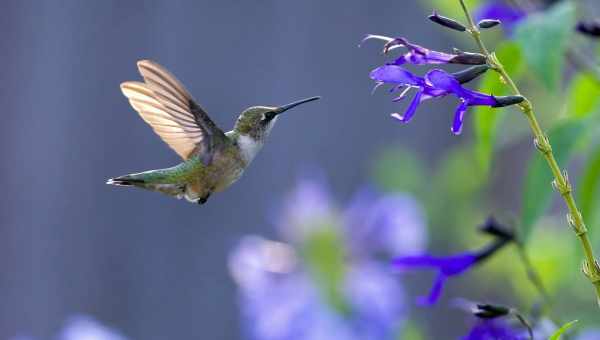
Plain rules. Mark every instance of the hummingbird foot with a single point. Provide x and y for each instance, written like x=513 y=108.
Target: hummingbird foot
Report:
x=203 y=199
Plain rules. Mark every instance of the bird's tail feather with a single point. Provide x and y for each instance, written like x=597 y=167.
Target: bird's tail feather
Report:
x=154 y=180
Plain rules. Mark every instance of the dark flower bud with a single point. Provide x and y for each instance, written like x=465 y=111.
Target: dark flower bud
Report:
x=471 y=73
x=447 y=22
x=488 y=23
x=467 y=58
x=503 y=101
x=487 y=311
x=590 y=28
x=494 y=228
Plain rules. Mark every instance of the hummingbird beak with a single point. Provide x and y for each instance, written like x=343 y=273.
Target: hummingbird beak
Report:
x=284 y=108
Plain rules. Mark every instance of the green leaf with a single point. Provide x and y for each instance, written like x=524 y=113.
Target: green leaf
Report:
x=325 y=255
x=562 y=330
x=537 y=189
x=487 y=119
x=588 y=187
x=584 y=95
x=544 y=37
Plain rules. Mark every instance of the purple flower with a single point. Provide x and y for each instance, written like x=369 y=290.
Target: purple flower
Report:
x=280 y=301
x=446 y=266
x=436 y=83
x=494 y=329
x=368 y=288
x=589 y=334
x=82 y=327
x=419 y=55
x=306 y=208
x=391 y=224
x=499 y=10
x=283 y=297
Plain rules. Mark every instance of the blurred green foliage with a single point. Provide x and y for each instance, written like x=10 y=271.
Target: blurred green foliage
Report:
x=562 y=330
x=324 y=252
x=584 y=95
x=544 y=39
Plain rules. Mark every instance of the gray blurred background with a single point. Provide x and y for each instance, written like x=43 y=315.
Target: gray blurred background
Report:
x=148 y=265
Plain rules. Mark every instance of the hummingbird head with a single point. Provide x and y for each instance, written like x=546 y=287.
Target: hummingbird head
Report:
x=255 y=123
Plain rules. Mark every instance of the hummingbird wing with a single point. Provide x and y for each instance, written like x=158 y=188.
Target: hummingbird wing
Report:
x=164 y=103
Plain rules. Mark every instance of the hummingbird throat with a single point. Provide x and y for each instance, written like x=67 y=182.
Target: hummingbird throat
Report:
x=249 y=147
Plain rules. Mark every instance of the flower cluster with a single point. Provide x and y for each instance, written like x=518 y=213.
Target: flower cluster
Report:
x=436 y=83
x=327 y=276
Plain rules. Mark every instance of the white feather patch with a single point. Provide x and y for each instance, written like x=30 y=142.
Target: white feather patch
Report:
x=249 y=147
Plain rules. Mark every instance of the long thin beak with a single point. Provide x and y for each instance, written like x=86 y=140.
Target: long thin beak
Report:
x=284 y=108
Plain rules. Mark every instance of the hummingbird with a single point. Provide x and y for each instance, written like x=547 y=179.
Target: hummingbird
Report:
x=212 y=159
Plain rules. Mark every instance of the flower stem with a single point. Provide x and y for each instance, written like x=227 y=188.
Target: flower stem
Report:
x=533 y=276
x=561 y=182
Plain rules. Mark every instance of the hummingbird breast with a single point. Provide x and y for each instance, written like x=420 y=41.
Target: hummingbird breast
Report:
x=226 y=167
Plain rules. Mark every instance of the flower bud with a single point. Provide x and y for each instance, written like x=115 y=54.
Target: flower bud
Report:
x=589 y=28
x=503 y=101
x=488 y=23
x=487 y=311
x=467 y=58
x=471 y=73
x=447 y=22
x=494 y=228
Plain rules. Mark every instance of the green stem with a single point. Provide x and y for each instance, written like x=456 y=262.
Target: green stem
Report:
x=561 y=181
x=533 y=276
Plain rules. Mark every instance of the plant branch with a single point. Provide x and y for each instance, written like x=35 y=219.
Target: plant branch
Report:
x=561 y=182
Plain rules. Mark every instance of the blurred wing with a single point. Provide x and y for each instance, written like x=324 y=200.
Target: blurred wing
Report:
x=167 y=106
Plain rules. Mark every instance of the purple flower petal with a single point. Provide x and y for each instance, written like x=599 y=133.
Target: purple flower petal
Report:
x=436 y=83
x=496 y=329
x=451 y=265
x=396 y=75
x=458 y=118
x=434 y=293
x=412 y=108
x=446 y=266
x=442 y=80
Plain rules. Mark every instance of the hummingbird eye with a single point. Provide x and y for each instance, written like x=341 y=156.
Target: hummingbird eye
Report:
x=268 y=116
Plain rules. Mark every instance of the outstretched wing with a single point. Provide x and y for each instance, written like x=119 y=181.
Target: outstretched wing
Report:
x=164 y=103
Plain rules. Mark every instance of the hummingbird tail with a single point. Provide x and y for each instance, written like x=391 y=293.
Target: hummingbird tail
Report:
x=124 y=182
x=153 y=180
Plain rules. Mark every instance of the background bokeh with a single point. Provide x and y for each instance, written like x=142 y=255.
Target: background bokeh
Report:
x=154 y=267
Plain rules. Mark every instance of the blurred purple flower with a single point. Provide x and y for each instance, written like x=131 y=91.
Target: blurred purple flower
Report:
x=499 y=10
x=376 y=299
x=280 y=298
x=83 y=327
x=436 y=83
x=446 y=266
x=419 y=55
x=308 y=207
x=589 y=334
x=496 y=329
x=393 y=224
